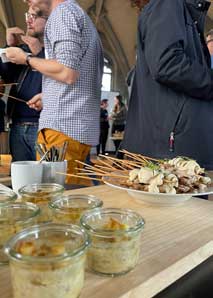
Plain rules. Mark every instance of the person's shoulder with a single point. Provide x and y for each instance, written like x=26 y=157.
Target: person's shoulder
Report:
x=161 y=4
x=69 y=7
x=67 y=12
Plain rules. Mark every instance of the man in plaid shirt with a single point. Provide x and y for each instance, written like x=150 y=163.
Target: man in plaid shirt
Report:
x=71 y=82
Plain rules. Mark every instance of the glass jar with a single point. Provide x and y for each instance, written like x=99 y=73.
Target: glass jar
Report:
x=41 y=194
x=69 y=209
x=48 y=261
x=115 y=236
x=13 y=218
x=6 y=197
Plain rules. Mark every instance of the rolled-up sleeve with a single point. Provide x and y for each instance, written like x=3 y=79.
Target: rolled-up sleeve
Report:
x=66 y=39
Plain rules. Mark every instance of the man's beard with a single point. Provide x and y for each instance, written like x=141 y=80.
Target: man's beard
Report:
x=38 y=35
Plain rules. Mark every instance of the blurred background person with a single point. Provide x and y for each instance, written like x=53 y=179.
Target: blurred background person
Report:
x=2 y=114
x=104 y=127
x=2 y=107
x=118 y=117
x=24 y=121
x=209 y=42
x=129 y=82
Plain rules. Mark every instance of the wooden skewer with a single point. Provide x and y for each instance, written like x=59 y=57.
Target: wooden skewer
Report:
x=84 y=170
x=145 y=158
x=108 y=175
x=80 y=171
x=13 y=97
x=8 y=84
x=134 y=156
x=94 y=169
x=116 y=161
x=78 y=176
x=86 y=165
x=108 y=165
x=97 y=169
x=132 y=163
x=104 y=168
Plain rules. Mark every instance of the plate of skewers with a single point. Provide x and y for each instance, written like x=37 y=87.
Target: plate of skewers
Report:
x=153 y=181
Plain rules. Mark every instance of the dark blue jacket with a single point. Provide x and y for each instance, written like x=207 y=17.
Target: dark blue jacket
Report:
x=173 y=87
x=32 y=85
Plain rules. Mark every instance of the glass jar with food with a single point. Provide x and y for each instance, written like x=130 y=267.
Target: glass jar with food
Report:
x=115 y=236
x=41 y=194
x=69 y=209
x=6 y=197
x=15 y=217
x=48 y=261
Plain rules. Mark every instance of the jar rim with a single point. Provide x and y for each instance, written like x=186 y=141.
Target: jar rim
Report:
x=34 y=230
x=54 y=204
x=33 y=207
x=23 y=190
x=11 y=196
x=137 y=227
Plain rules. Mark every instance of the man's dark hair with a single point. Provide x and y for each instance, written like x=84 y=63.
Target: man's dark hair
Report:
x=105 y=100
x=209 y=36
x=210 y=33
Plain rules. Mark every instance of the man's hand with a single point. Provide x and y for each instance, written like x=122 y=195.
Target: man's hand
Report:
x=36 y=102
x=13 y=36
x=33 y=43
x=16 y=55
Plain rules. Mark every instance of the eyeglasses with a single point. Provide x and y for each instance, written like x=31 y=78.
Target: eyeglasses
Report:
x=32 y=17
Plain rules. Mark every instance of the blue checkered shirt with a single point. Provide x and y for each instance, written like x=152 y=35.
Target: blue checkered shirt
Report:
x=71 y=39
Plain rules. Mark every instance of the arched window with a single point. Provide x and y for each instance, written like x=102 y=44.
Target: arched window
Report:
x=107 y=76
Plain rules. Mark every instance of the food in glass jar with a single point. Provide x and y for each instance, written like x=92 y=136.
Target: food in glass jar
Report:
x=14 y=218
x=69 y=209
x=115 y=236
x=7 y=196
x=48 y=261
x=41 y=194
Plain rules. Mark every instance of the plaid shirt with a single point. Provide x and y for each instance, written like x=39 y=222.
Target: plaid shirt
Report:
x=72 y=40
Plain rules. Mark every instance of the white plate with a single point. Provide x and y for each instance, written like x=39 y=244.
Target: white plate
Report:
x=159 y=199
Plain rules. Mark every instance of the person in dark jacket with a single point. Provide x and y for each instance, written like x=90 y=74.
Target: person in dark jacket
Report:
x=171 y=107
x=2 y=107
x=104 y=127
x=2 y=114
x=118 y=117
x=24 y=127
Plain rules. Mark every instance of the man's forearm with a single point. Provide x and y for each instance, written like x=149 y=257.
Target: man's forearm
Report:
x=50 y=68
x=54 y=70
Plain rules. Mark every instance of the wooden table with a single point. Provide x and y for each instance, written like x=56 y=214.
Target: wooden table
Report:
x=175 y=240
x=5 y=162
